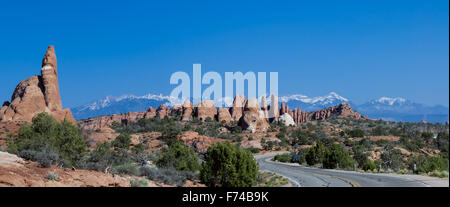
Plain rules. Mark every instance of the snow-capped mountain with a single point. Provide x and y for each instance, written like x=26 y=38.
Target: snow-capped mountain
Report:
x=401 y=109
x=123 y=104
x=386 y=108
x=389 y=101
x=313 y=103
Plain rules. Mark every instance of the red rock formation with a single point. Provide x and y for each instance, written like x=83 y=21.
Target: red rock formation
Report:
x=274 y=111
x=162 y=112
x=198 y=142
x=106 y=121
x=238 y=107
x=283 y=108
x=187 y=111
x=37 y=94
x=223 y=114
x=341 y=110
x=206 y=109
x=264 y=103
x=253 y=120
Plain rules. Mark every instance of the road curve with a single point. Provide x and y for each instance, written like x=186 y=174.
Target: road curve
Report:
x=302 y=176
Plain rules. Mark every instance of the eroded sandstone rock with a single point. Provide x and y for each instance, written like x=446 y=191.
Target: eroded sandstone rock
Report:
x=187 y=111
x=223 y=114
x=206 y=109
x=252 y=120
x=238 y=107
x=37 y=94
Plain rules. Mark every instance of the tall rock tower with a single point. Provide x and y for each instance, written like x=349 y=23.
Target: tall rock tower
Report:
x=37 y=94
x=49 y=75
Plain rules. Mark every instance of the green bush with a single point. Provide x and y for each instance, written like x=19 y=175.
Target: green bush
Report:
x=44 y=157
x=254 y=150
x=337 y=157
x=62 y=138
x=167 y=176
x=179 y=157
x=286 y=157
x=316 y=154
x=228 y=166
x=426 y=164
x=392 y=159
x=356 y=133
x=123 y=141
x=126 y=169
x=138 y=183
x=52 y=176
x=369 y=165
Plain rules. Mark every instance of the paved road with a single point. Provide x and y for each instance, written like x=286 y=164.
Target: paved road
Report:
x=312 y=177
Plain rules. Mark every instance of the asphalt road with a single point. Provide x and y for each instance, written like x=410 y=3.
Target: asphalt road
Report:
x=302 y=176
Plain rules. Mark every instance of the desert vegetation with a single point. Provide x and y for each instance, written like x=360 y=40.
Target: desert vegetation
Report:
x=338 y=143
x=370 y=145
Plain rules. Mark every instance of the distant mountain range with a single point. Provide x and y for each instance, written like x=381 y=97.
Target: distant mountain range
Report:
x=389 y=109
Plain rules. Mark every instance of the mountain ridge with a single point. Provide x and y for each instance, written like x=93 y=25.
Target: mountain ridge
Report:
x=386 y=108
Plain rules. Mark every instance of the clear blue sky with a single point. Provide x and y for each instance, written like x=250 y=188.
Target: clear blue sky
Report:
x=359 y=49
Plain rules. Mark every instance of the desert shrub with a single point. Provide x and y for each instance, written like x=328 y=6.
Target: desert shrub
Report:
x=427 y=136
x=236 y=130
x=381 y=142
x=337 y=157
x=268 y=146
x=356 y=133
x=52 y=176
x=149 y=125
x=359 y=156
x=392 y=158
x=103 y=157
x=442 y=143
x=138 y=149
x=316 y=154
x=179 y=157
x=167 y=176
x=285 y=157
x=438 y=174
x=45 y=157
x=426 y=164
x=126 y=169
x=254 y=150
x=123 y=141
x=138 y=183
x=369 y=165
x=62 y=138
x=379 y=131
x=228 y=166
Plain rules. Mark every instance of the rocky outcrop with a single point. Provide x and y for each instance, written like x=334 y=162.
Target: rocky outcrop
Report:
x=37 y=94
x=223 y=114
x=287 y=120
x=161 y=112
x=206 y=109
x=187 y=111
x=274 y=111
x=253 y=119
x=107 y=121
x=196 y=141
x=342 y=110
x=15 y=172
x=238 y=107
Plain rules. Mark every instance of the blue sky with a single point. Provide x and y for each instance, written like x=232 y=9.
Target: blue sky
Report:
x=359 y=49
